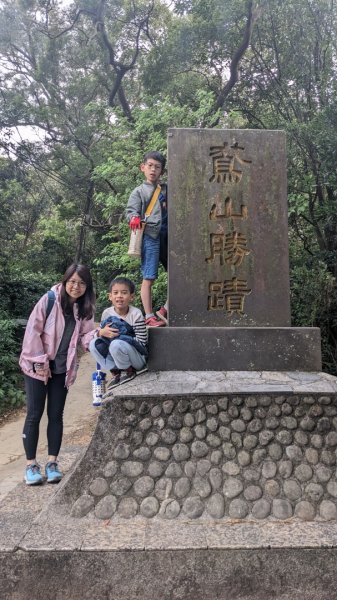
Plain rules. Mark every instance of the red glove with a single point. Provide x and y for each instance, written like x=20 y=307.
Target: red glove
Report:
x=135 y=223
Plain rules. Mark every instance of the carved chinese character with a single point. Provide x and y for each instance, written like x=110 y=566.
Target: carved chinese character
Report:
x=228 y=213
x=235 y=248
x=226 y=160
x=235 y=291
x=230 y=248
x=216 y=297
x=217 y=247
x=229 y=295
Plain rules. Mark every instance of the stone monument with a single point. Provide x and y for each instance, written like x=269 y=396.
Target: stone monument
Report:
x=228 y=277
x=213 y=475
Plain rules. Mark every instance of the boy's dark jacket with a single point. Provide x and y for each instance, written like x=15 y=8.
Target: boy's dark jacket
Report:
x=126 y=333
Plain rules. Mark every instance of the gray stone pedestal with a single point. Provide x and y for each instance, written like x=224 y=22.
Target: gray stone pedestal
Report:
x=235 y=348
x=196 y=486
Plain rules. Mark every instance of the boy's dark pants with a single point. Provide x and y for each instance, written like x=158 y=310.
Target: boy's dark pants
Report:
x=163 y=249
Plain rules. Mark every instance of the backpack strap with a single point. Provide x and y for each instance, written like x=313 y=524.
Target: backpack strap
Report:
x=50 y=303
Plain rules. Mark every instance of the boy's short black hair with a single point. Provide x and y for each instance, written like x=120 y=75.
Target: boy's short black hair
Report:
x=155 y=156
x=124 y=280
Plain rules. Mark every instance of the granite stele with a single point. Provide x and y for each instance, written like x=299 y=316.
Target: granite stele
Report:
x=213 y=475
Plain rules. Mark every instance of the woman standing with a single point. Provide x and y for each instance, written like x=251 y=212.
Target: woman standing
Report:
x=49 y=363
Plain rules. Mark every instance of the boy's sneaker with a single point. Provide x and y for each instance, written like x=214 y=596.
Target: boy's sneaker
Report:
x=162 y=314
x=116 y=375
x=33 y=474
x=153 y=322
x=127 y=375
x=53 y=472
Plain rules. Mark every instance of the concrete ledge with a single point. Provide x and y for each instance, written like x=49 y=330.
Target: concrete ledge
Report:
x=193 y=574
x=170 y=383
x=235 y=348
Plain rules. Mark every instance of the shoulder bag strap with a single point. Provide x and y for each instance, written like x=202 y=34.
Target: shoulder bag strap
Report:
x=152 y=202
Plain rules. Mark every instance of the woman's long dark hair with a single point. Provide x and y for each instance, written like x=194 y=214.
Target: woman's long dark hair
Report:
x=86 y=303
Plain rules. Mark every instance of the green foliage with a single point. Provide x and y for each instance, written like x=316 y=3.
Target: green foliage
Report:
x=314 y=304
x=11 y=392
x=19 y=291
x=102 y=87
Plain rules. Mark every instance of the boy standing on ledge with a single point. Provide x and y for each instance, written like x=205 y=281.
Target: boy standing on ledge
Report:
x=154 y=243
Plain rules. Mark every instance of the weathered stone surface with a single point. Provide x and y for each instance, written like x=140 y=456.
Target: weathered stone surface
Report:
x=190 y=469
x=323 y=473
x=303 y=473
x=215 y=506
x=162 y=453
x=181 y=452
x=106 y=507
x=314 y=491
x=82 y=506
x=152 y=439
x=305 y=511
x=169 y=509
x=173 y=348
x=261 y=509
x=203 y=466
x=252 y=492
x=173 y=470
x=292 y=489
x=285 y=468
x=244 y=458
x=120 y=485
x=149 y=507
x=193 y=507
x=328 y=510
x=142 y=453
x=98 y=487
x=215 y=477
x=182 y=487
x=132 y=468
x=231 y=468
x=168 y=406
x=232 y=487
x=156 y=469
x=186 y=435
x=110 y=468
x=163 y=488
x=127 y=508
x=122 y=450
x=282 y=509
x=238 y=509
x=143 y=486
x=168 y=436
x=199 y=449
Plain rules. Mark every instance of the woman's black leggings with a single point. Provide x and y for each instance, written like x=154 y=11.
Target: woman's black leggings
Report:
x=36 y=392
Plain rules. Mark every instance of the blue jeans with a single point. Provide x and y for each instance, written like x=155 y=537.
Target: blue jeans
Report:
x=121 y=356
x=150 y=257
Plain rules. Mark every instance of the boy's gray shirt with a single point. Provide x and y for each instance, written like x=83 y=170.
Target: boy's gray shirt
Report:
x=137 y=204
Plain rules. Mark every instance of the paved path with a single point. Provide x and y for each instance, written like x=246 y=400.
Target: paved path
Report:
x=78 y=414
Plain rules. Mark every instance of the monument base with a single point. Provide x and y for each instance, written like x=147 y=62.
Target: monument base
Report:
x=235 y=349
x=240 y=469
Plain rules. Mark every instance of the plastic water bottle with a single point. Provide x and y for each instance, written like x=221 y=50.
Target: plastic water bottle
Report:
x=98 y=386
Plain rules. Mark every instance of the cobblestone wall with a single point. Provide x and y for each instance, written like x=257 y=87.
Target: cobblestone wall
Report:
x=232 y=457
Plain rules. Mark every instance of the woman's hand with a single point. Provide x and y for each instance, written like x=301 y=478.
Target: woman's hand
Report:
x=108 y=332
x=40 y=369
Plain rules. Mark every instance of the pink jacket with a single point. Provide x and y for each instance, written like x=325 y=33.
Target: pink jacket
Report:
x=42 y=338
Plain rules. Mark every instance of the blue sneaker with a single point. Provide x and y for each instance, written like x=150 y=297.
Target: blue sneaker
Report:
x=53 y=472
x=33 y=474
